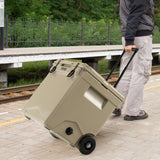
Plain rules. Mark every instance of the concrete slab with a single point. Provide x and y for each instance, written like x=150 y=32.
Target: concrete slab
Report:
x=20 y=55
x=21 y=139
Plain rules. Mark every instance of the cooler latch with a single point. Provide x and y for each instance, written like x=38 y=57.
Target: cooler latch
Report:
x=72 y=71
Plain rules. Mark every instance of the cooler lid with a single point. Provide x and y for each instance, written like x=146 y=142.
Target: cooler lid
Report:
x=91 y=71
x=98 y=77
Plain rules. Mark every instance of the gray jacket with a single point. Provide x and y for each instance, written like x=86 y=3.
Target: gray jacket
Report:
x=136 y=19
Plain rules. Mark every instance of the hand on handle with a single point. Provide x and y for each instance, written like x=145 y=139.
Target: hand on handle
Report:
x=129 y=48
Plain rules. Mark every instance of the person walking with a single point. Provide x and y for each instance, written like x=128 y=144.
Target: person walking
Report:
x=137 y=29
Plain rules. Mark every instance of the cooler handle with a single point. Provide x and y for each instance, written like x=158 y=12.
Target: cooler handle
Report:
x=72 y=71
x=55 y=67
x=116 y=64
x=135 y=51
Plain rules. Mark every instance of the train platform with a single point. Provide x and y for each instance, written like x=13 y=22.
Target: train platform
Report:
x=15 y=57
x=22 y=139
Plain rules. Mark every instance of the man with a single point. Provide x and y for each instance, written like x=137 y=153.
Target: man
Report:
x=137 y=29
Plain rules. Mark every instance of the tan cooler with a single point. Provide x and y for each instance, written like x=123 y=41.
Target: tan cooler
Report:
x=73 y=103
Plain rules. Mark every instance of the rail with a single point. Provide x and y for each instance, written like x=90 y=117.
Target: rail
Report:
x=17 y=93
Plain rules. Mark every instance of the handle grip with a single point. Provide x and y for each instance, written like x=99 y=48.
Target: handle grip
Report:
x=135 y=50
x=116 y=64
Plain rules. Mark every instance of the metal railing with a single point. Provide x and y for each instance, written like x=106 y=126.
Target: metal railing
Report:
x=24 y=33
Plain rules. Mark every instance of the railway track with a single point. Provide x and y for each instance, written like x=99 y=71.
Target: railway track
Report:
x=17 y=93
x=24 y=92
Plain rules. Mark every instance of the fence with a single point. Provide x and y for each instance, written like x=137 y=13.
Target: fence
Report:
x=22 y=33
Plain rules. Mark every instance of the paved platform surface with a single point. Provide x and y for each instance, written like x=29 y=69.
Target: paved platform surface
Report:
x=20 y=55
x=21 y=139
x=65 y=49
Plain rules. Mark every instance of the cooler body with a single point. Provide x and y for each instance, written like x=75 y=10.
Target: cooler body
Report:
x=73 y=105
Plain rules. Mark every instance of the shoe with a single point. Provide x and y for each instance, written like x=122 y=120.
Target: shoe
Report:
x=117 y=112
x=142 y=115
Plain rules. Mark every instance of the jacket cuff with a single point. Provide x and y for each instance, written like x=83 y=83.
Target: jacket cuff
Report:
x=129 y=42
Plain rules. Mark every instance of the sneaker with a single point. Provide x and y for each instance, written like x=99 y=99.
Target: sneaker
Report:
x=142 y=115
x=117 y=112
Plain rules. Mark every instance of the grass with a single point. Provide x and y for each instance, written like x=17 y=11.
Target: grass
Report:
x=35 y=72
x=30 y=73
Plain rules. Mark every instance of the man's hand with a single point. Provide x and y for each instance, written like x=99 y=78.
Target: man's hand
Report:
x=129 y=48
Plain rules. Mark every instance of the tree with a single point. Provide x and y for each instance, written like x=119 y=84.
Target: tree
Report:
x=69 y=10
x=157 y=13
x=17 y=8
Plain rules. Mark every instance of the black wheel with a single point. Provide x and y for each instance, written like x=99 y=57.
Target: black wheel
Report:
x=52 y=134
x=86 y=144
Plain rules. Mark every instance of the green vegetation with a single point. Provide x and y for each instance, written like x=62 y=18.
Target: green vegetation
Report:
x=30 y=73
x=156 y=36
x=69 y=10
x=32 y=34
x=35 y=72
x=35 y=34
x=66 y=22
x=103 y=67
x=95 y=13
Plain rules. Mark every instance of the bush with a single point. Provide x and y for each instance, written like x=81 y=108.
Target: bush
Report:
x=44 y=33
x=36 y=34
x=156 y=37
x=30 y=73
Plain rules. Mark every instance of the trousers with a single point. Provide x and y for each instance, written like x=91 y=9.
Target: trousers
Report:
x=131 y=86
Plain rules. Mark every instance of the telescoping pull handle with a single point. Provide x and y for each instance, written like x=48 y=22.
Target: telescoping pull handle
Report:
x=116 y=64
x=135 y=51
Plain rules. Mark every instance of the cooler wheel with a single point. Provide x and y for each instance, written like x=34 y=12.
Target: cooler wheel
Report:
x=86 y=144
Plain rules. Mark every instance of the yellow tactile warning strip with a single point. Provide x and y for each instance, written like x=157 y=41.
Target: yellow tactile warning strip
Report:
x=12 y=121
x=23 y=118
x=156 y=86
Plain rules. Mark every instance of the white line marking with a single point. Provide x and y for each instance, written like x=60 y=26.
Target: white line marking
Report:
x=3 y=113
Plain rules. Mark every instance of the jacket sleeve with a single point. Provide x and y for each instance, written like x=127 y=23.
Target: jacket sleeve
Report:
x=137 y=8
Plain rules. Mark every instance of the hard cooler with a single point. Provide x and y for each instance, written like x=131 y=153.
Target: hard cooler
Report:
x=73 y=106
